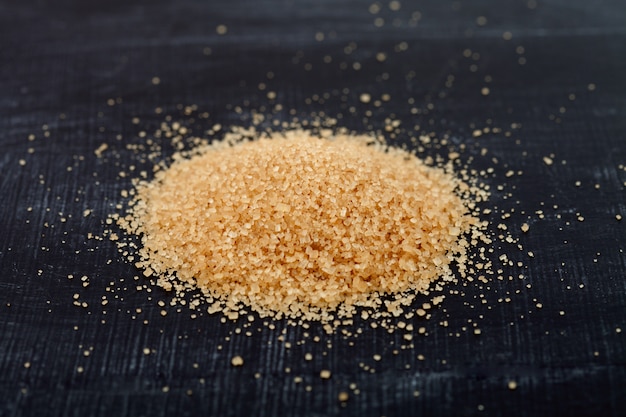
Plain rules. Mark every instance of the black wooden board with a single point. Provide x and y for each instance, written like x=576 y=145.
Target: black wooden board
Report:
x=557 y=85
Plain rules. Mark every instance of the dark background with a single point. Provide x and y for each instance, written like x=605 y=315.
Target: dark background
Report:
x=60 y=64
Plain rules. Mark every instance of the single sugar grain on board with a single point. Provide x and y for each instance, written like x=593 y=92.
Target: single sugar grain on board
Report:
x=292 y=224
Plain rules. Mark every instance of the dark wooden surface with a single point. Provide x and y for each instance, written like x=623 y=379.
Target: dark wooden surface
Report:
x=60 y=63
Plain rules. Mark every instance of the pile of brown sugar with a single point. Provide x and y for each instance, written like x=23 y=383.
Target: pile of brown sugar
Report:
x=294 y=224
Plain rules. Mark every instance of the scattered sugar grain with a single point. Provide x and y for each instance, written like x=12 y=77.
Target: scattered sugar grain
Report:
x=236 y=361
x=221 y=29
x=325 y=374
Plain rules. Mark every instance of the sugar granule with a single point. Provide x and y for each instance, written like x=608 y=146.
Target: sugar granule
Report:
x=296 y=225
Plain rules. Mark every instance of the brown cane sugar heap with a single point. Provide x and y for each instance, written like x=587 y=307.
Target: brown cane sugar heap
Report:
x=296 y=225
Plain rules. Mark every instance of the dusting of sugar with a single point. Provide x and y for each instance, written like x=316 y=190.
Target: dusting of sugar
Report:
x=294 y=224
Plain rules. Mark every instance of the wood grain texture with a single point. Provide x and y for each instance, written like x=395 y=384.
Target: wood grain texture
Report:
x=59 y=64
